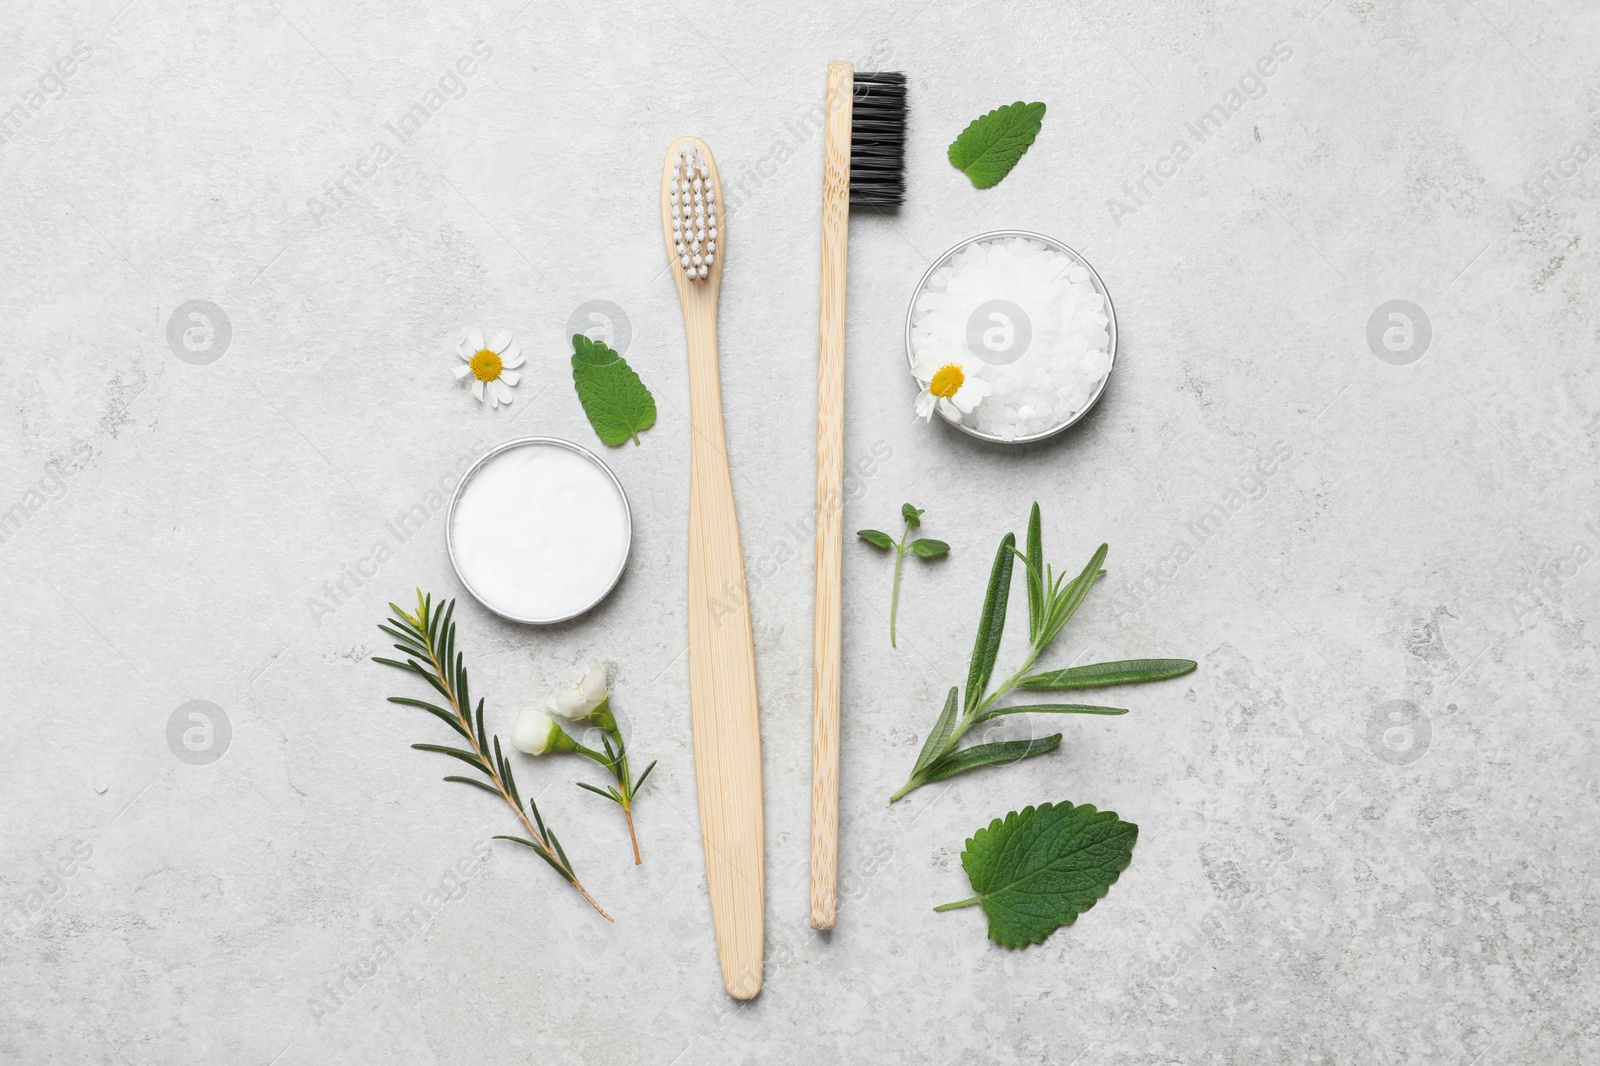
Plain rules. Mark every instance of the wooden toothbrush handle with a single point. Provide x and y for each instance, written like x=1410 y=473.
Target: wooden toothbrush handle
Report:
x=722 y=675
x=826 y=637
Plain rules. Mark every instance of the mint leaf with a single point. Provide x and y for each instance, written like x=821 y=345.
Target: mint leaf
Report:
x=872 y=536
x=991 y=145
x=927 y=547
x=1038 y=870
x=616 y=401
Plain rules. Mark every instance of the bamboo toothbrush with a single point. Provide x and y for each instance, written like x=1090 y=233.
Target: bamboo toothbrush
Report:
x=722 y=664
x=863 y=165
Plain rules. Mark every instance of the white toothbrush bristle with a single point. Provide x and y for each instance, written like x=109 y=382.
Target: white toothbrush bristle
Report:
x=694 y=213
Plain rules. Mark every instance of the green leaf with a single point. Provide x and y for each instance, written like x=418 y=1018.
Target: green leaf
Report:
x=634 y=791
x=933 y=747
x=991 y=624
x=912 y=515
x=1048 y=708
x=873 y=536
x=964 y=759
x=1035 y=559
x=475 y=783
x=1119 y=673
x=616 y=401
x=465 y=756
x=928 y=548
x=1063 y=606
x=1041 y=868
x=991 y=145
x=608 y=794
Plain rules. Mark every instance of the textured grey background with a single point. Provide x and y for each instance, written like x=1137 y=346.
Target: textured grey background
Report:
x=1306 y=888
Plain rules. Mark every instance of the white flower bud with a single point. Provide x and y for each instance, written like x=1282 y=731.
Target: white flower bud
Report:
x=535 y=732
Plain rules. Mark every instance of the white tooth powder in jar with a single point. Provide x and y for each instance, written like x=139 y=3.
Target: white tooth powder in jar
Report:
x=1027 y=317
x=539 y=530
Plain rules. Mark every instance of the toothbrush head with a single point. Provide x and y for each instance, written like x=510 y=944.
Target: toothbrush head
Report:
x=878 y=139
x=692 y=210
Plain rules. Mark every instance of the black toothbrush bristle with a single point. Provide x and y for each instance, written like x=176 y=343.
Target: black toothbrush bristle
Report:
x=878 y=140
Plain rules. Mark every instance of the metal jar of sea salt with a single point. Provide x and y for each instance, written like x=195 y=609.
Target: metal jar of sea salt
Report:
x=1028 y=316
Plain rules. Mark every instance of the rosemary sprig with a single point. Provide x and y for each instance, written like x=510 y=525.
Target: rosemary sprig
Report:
x=1052 y=601
x=428 y=640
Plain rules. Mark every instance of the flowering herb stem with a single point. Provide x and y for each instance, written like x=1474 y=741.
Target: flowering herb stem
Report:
x=615 y=760
x=428 y=640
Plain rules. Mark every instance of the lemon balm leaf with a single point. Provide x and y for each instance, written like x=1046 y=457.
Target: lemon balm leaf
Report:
x=991 y=144
x=873 y=536
x=616 y=402
x=1042 y=867
x=928 y=548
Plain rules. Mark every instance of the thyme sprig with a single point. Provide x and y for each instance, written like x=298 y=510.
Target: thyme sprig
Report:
x=428 y=640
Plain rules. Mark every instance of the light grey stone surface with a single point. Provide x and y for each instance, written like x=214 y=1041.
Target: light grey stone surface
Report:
x=1305 y=888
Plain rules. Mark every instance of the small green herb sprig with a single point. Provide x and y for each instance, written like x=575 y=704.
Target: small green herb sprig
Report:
x=428 y=640
x=922 y=548
x=1052 y=601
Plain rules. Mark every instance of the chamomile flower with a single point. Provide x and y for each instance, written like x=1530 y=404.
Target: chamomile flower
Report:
x=492 y=366
x=953 y=385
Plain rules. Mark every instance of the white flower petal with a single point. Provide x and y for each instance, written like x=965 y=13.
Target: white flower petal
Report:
x=500 y=342
x=503 y=391
x=510 y=377
x=593 y=682
x=475 y=339
x=477 y=390
x=949 y=410
x=513 y=360
x=925 y=404
x=461 y=371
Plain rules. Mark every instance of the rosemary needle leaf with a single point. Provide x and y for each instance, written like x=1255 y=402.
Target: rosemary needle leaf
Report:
x=598 y=791
x=1035 y=560
x=939 y=739
x=1120 y=673
x=991 y=624
x=1048 y=708
x=964 y=759
x=639 y=783
x=455 y=753
x=475 y=783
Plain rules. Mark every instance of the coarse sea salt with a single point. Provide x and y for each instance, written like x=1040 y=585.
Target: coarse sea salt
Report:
x=1027 y=318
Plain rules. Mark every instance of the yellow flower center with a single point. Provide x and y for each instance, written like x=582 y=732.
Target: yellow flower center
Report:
x=485 y=365
x=947 y=381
